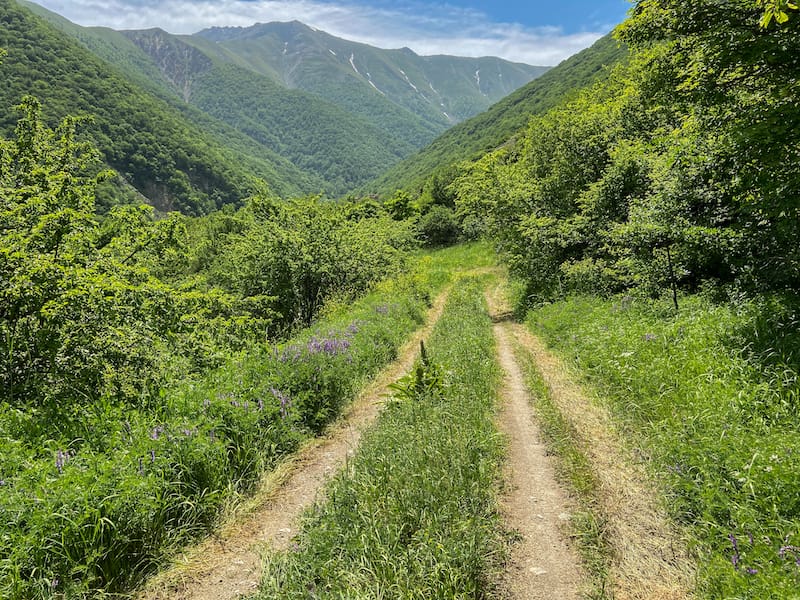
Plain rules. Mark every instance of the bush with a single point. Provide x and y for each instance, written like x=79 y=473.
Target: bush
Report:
x=438 y=227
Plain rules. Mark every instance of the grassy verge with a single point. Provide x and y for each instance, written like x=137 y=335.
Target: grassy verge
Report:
x=573 y=469
x=92 y=515
x=711 y=395
x=414 y=514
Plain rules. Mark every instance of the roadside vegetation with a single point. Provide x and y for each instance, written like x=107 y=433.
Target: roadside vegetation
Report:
x=153 y=369
x=651 y=222
x=414 y=515
x=710 y=396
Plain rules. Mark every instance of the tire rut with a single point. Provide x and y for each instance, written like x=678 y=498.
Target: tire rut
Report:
x=543 y=563
x=650 y=558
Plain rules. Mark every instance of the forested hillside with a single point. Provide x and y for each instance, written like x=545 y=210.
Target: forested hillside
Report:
x=295 y=100
x=488 y=130
x=679 y=170
x=318 y=137
x=176 y=160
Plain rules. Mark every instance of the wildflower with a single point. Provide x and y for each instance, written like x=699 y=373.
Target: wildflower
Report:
x=156 y=432
x=284 y=401
x=735 y=555
x=649 y=337
x=260 y=404
x=61 y=460
x=751 y=571
x=383 y=309
x=152 y=456
x=141 y=467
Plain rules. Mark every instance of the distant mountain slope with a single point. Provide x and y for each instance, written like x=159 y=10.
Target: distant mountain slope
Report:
x=342 y=149
x=441 y=90
x=488 y=130
x=175 y=158
x=327 y=114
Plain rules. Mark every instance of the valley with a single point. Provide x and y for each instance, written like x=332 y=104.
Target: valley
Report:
x=284 y=315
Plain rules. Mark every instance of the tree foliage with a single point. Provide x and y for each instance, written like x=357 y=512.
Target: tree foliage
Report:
x=680 y=170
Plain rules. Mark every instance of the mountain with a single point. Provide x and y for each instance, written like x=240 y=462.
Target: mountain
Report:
x=344 y=111
x=336 y=113
x=177 y=157
x=440 y=90
x=488 y=130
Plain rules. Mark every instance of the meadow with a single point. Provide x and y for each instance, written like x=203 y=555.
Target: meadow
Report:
x=708 y=397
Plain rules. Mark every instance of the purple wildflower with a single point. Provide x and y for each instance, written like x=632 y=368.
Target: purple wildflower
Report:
x=735 y=555
x=152 y=456
x=61 y=460
x=141 y=467
x=284 y=400
x=156 y=432
x=649 y=337
x=383 y=309
x=751 y=571
x=260 y=404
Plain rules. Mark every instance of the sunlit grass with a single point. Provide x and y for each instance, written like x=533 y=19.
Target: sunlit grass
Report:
x=710 y=393
x=414 y=514
x=94 y=514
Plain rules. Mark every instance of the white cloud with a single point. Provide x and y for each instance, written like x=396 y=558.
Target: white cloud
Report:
x=425 y=28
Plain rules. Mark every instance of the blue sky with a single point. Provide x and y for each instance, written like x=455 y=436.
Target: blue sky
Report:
x=535 y=32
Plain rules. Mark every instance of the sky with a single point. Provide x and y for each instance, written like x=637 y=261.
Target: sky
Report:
x=538 y=32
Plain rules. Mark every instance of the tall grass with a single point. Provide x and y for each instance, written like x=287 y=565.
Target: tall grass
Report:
x=711 y=395
x=414 y=514
x=88 y=515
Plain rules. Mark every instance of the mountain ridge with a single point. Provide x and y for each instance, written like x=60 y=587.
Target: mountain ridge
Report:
x=485 y=131
x=328 y=114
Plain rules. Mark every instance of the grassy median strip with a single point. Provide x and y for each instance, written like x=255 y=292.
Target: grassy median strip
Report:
x=414 y=515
